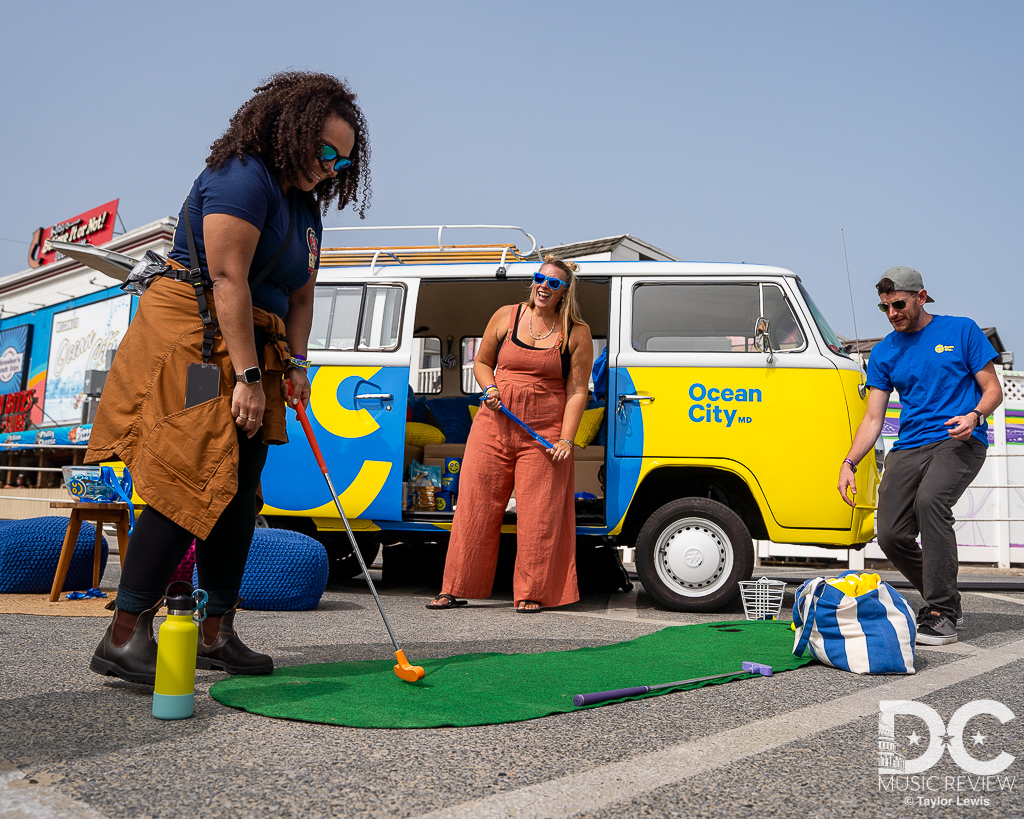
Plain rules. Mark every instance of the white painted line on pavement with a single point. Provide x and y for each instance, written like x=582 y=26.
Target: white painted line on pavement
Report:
x=22 y=799
x=1018 y=600
x=621 y=781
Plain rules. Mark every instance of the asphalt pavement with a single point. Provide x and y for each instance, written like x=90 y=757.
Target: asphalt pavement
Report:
x=74 y=744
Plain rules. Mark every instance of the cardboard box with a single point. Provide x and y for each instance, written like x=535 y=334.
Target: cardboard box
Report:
x=443 y=451
x=588 y=462
x=586 y=477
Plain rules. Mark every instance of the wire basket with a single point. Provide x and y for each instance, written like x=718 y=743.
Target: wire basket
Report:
x=762 y=599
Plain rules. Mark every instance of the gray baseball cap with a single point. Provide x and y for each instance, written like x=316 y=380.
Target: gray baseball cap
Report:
x=906 y=279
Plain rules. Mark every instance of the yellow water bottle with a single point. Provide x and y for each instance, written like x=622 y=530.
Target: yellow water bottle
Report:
x=174 y=691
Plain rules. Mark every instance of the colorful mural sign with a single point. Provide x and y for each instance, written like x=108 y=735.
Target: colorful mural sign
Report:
x=14 y=356
x=79 y=341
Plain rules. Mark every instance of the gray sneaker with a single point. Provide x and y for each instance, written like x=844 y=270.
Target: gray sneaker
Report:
x=935 y=629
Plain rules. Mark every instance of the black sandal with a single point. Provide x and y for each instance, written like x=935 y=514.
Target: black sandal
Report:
x=521 y=607
x=451 y=602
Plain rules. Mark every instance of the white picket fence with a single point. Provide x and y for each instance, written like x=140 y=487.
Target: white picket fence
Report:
x=989 y=516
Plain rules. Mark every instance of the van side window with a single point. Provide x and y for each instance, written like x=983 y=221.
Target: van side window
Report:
x=711 y=318
x=425 y=372
x=785 y=331
x=695 y=318
x=467 y=355
x=368 y=314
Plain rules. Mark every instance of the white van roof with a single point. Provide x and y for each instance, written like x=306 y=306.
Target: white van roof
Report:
x=499 y=260
x=455 y=268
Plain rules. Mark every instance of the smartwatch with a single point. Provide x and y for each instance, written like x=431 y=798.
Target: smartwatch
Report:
x=250 y=375
x=981 y=418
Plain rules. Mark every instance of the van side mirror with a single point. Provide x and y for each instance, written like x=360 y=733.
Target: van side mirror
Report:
x=762 y=337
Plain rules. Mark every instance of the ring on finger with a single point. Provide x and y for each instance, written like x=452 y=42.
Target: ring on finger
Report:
x=243 y=417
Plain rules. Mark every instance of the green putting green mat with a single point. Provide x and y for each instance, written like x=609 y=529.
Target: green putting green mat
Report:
x=485 y=689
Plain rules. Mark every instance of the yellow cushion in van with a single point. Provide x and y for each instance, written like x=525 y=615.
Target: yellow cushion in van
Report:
x=473 y=410
x=590 y=425
x=417 y=434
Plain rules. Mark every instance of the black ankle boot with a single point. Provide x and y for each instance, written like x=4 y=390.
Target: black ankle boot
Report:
x=220 y=648
x=135 y=658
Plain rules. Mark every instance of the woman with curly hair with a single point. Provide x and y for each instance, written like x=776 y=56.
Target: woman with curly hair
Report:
x=194 y=438
x=534 y=358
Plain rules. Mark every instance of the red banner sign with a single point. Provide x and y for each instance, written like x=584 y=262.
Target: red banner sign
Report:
x=14 y=409
x=94 y=227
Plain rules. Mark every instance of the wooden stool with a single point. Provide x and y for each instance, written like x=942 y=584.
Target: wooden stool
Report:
x=98 y=513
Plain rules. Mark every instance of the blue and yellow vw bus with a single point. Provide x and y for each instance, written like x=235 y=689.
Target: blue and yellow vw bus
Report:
x=729 y=405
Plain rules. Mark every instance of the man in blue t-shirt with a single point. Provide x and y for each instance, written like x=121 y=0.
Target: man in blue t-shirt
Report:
x=942 y=367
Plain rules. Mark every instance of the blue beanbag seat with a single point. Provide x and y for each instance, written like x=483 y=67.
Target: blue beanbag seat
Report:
x=30 y=549
x=451 y=416
x=286 y=571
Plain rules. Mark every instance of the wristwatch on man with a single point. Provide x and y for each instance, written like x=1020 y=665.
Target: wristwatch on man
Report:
x=981 y=418
x=250 y=375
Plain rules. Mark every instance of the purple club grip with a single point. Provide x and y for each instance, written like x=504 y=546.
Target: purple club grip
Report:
x=604 y=696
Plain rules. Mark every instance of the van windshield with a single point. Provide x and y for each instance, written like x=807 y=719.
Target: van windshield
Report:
x=831 y=339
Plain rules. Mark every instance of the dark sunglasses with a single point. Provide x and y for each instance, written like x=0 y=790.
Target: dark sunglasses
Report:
x=899 y=304
x=328 y=154
x=553 y=283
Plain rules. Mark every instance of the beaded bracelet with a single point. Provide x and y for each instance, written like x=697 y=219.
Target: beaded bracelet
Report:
x=566 y=440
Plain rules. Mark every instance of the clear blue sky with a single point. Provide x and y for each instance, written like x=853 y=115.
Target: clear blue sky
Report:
x=726 y=131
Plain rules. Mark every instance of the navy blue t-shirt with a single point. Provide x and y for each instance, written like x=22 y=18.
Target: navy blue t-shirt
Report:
x=933 y=371
x=247 y=189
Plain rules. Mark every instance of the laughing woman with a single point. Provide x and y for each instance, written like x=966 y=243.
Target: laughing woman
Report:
x=535 y=359
x=253 y=220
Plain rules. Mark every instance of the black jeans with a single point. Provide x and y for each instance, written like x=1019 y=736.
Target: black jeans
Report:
x=158 y=544
x=918 y=491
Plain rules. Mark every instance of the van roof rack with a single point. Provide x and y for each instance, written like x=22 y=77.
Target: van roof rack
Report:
x=374 y=256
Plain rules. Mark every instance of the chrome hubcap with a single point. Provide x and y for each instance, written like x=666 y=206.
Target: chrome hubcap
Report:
x=693 y=556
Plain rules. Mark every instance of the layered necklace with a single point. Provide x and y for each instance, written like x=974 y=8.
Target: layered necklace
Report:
x=549 y=332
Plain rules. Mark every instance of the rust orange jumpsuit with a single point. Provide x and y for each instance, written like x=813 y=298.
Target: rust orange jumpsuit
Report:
x=499 y=456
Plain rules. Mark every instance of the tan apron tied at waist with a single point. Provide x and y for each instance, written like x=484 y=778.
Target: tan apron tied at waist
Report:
x=184 y=461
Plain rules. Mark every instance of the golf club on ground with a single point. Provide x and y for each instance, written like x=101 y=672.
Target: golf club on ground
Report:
x=604 y=696
x=404 y=670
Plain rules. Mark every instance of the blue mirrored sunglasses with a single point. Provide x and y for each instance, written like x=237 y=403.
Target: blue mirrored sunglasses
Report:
x=552 y=282
x=328 y=154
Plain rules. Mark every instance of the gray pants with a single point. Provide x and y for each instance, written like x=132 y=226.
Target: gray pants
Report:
x=918 y=491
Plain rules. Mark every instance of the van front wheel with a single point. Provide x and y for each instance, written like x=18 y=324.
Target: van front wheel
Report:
x=692 y=553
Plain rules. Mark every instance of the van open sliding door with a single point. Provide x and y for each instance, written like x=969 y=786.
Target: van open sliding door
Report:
x=360 y=348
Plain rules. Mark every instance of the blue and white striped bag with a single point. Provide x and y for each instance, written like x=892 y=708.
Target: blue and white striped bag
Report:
x=872 y=633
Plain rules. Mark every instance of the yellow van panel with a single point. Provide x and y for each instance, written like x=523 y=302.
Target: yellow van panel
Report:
x=789 y=428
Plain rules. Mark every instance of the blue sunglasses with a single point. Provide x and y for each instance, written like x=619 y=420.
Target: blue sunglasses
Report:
x=328 y=154
x=552 y=282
